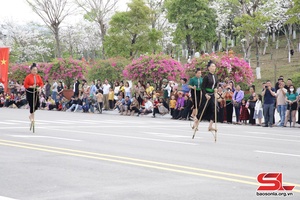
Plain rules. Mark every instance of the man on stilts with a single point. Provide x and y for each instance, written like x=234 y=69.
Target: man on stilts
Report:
x=208 y=108
x=33 y=83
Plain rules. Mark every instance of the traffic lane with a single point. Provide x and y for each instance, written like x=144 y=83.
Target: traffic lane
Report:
x=233 y=160
x=39 y=175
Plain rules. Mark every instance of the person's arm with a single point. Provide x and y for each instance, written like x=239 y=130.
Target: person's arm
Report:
x=263 y=92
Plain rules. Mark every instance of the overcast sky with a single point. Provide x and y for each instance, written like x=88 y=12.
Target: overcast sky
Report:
x=20 y=11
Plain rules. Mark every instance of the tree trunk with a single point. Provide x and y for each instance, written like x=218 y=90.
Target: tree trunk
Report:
x=257 y=51
x=189 y=43
x=266 y=45
x=57 y=41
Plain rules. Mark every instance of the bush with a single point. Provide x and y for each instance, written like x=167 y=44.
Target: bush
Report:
x=18 y=72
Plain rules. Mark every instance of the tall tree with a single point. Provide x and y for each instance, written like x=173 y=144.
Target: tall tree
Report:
x=130 y=32
x=53 y=13
x=195 y=22
x=98 y=11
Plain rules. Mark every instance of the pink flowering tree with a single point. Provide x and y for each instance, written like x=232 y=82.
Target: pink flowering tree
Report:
x=110 y=69
x=154 y=68
x=66 y=70
x=229 y=67
x=18 y=72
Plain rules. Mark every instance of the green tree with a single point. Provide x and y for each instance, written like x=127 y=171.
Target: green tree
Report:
x=130 y=34
x=195 y=22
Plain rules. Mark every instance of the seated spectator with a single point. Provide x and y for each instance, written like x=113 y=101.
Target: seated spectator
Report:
x=134 y=106
x=85 y=107
x=119 y=103
x=43 y=102
x=161 y=107
x=187 y=111
x=2 y=100
x=19 y=101
x=50 y=103
x=125 y=106
x=147 y=108
x=74 y=103
x=179 y=106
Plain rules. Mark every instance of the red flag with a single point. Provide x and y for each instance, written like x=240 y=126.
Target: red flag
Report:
x=4 y=60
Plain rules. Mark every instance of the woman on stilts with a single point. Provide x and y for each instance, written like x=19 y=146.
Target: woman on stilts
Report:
x=207 y=109
x=195 y=85
x=33 y=83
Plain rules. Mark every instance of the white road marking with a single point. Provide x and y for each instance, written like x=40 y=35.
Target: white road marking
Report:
x=55 y=122
x=277 y=153
x=9 y=123
x=264 y=138
x=49 y=137
x=124 y=136
x=167 y=135
x=283 y=135
x=6 y=198
x=25 y=122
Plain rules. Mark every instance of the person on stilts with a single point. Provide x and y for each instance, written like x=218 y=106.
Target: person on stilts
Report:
x=33 y=83
x=195 y=85
x=208 y=108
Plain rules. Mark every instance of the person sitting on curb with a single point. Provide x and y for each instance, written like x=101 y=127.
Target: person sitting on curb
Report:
x=134 y=106
x=119 y=103
x=125 y=107
x=147 y=108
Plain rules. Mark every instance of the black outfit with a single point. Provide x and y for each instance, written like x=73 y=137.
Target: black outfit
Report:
x=220 y=117
x=29 y=98
x=252 y=110
x=210 y=82
x=76 y=93
x=187 y=109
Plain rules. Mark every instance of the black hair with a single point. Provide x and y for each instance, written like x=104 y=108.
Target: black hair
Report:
x=32 y=66
x=197 y=70
x=209 y=63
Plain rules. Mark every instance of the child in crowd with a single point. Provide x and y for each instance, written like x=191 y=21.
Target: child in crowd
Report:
x=99 y=97
x=244 y=113
x=111 y=96
x=258 y=113
x=172 y=104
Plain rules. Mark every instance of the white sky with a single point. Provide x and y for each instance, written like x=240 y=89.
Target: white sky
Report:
x=20 y=11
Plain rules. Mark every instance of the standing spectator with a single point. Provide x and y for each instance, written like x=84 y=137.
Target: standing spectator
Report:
x=76 y=87
x=238 y=96
x=269 y=99
x=1 y=88
x=229 y=105
x=280 y=79
x=149 y=89
x=93 y=89
x=292 y=100
x=184 y=86
x=244 y=112
x=99 y=85
x=258 y=111
x=111 y=97
x=106 y=87
x=140 y=90
x=172 y=105
x=47 y=90
x=99 y=97
x=221 y=104
x=166 y=90
x=54 y=89
x=127 y=89
x=281 y=102
x=298 y=91
x=60 y=89
x=251 y=101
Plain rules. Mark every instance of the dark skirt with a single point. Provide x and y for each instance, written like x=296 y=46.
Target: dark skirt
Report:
x=34 y=104
x=209 y=111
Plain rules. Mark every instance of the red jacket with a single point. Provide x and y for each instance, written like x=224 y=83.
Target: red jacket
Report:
x=29 y=81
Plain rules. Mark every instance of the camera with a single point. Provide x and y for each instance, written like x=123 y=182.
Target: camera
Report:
x=266 y=87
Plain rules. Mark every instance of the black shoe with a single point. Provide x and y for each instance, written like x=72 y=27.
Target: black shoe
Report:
x=153 y=116
x=265 y=126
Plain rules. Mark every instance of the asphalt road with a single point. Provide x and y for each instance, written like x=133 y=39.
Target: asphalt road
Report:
x=74 y=156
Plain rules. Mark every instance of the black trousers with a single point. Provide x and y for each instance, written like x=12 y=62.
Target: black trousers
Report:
x=251 y=120
x=229 y=111
x=29 y=97
x=220 y=114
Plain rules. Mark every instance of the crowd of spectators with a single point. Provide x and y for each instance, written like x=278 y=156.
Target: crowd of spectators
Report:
x=248 y=107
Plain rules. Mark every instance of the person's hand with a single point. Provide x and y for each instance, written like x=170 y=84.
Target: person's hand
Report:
x=207 y=96
x=194 y=87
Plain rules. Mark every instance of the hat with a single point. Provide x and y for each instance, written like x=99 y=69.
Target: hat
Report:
x=165 y=80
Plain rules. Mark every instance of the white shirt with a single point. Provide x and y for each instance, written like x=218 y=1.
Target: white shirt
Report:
x=116 y=91
x=148 y=105
x=2 y=85
x=54 y=87
x=106 y=88
x=281 y=97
